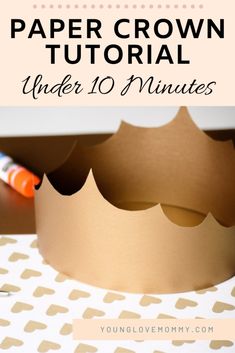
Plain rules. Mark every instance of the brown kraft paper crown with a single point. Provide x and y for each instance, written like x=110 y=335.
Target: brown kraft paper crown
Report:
x=149 y=210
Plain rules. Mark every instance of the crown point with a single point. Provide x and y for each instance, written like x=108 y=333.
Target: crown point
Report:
x=90 y=184
x=90 y=178
x=183 y=114
x=124 y=127
x=45 y=183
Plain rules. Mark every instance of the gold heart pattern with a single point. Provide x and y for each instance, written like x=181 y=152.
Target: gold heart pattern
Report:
x=220 y=344
x=180 y=343
x=4 y=323
x=85 y=348
x=7 y=240
x=125 y=314
x=18 y=307
x=60 y=277
x=56 y=309
x=10 y=288
x=28 y=273
x=46 y=346
x=10 y=342
x=219 y=307
x=77 y=294
x=185 y=303
x=32 y=326
x=40 y=291
x=147 y=300
x=60 y=299
x=67 y=329
x=34 y=244
x=123 y=350
x=112 y=297
x=89 y=313
x=165 y=316
x=3 y=271
x=15 y=256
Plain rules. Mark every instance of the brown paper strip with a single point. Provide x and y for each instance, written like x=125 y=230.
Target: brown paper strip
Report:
x=144 y=247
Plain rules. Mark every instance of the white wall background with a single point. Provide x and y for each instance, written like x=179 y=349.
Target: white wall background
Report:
x=72 y=120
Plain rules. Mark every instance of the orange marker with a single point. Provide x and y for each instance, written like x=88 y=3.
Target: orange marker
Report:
x=18 y=177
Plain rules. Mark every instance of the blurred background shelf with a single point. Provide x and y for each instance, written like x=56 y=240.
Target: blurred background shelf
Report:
x=28 y=121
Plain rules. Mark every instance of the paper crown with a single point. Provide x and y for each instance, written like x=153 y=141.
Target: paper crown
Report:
x=149 y=210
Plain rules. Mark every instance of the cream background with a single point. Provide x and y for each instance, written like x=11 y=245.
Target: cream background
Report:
x=212 y=60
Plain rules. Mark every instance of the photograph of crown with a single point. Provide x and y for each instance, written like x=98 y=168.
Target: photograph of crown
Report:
x=149 y=210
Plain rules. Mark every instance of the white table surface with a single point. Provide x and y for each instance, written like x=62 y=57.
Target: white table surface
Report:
x=37 y=317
